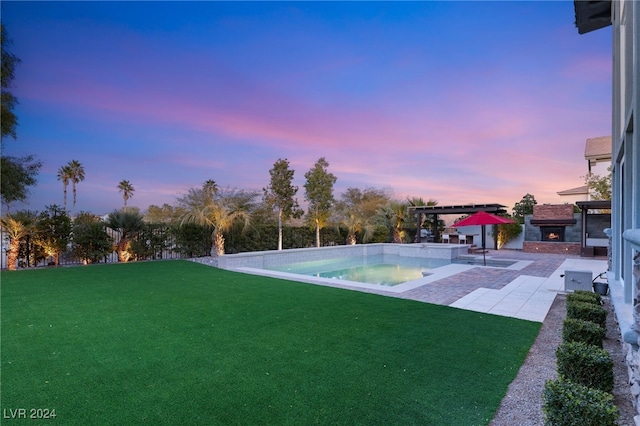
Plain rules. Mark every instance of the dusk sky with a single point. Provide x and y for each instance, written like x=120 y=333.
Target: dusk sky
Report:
x=460 y=102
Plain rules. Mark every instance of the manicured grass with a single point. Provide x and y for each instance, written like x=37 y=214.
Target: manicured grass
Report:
x=176 y=342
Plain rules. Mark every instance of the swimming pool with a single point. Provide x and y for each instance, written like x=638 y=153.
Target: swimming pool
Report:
x=430 y=261
x=380 y=269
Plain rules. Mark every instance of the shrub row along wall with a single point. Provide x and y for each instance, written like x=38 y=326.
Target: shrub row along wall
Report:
x=581 y=396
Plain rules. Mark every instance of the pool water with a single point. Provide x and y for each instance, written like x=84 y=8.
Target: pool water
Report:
x=382 y=269
x=388 y=270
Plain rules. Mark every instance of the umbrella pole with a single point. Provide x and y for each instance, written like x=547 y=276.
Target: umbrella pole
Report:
x=484 y=243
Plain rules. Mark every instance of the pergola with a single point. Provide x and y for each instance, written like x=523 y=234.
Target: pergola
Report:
x=442 y=210
x=585 y=206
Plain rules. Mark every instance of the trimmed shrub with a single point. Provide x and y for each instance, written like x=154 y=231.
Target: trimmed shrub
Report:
x=577 y=330
x=588 y=312
x=571 y=404
x=585 y=364
x=585 y=296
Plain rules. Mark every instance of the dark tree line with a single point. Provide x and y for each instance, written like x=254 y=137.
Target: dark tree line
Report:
x=17 y=174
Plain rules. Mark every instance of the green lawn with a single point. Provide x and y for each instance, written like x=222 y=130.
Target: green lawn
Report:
x=177 y=342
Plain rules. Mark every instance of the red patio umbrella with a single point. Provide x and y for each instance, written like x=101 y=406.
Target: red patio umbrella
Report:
x=483 y=218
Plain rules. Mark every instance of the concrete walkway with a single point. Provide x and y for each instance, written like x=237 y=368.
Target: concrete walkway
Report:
x=527 y=297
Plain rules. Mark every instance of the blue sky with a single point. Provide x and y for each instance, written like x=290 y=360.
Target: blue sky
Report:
x=461 y=102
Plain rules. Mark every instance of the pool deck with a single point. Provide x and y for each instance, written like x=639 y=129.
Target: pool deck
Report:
x=526 y=292
x=527 y=297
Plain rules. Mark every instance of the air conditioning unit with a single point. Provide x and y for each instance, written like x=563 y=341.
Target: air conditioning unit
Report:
x=578 y=280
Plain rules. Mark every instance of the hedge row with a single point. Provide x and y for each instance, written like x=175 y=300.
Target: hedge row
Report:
x=567 y=403
x=581 y=396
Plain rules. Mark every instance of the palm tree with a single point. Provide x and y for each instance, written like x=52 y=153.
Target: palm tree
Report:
x=127 y=224
x=127 y=190
x=394 y=215
x=64 y=174
x=76 y=174
x=16 y=229
x=220 y=214
x=356 y=224
x=430 y=222
x=210 y=188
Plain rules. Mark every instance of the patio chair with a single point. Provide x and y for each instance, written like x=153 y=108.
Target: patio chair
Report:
x=462 y=239
x=445 y=238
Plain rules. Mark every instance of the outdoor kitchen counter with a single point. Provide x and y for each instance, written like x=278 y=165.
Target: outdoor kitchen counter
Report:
x=455 y=238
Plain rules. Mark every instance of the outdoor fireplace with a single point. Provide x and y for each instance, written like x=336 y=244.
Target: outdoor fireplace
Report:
x=552 y=233
x=551 y=229
x=552 y=219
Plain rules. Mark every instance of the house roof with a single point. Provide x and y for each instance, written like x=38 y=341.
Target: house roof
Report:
x=584 y=189
x=592 y=15
x=598 y=148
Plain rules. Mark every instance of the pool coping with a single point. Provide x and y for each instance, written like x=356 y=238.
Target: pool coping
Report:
x=256 y=263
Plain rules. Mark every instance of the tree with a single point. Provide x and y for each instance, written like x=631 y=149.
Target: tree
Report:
x=64 y=174
x=219 y=212
x=54 y=232
x=524 y=207
x=394 y=216
x=8 y=119
x=76 y=175
x=151 y=242
x=165 y=214
x=127 y=224
x=427 y=221
x=599 y=186
x=192 y=240
x=280 y=193
x=507 y=231
x=90 y=239
x=30 y=252
x=210 y=188
x=17 y=174
x=16 y=230
x=357 y=211
x=355 y=224
x=127 y=191
x=319 y=194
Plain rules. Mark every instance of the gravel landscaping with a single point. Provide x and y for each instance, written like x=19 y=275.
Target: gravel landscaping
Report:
x=522 y=404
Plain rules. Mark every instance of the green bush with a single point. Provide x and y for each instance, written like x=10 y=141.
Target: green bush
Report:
x=577 y=330
x=585 y=364
x=571 y=404
x=588 y=312
x=585 y=296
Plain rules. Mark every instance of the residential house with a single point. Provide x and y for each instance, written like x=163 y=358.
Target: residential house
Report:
x=597 y=152
x=624 y=275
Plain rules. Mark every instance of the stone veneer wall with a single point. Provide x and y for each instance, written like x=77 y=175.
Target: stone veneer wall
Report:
x=632 y=348
x=551 y=247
